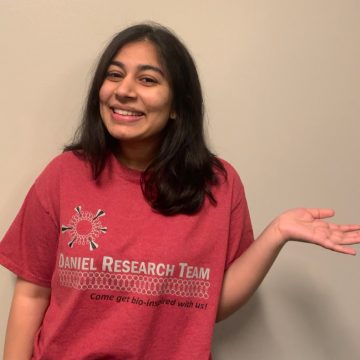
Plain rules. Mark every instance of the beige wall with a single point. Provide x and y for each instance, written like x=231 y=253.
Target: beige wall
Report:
x=282 y=83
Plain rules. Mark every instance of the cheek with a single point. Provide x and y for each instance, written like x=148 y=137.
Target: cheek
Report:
x=102 y=94
x=105 y=92
x=161 y=103
x=103 y=100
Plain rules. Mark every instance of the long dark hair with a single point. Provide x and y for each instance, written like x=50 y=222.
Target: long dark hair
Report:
x=182 y=173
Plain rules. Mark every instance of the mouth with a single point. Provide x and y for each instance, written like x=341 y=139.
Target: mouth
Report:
x=126 y=116
x=127 y=112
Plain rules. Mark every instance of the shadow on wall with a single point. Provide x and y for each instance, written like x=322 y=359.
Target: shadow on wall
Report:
x=311 y=326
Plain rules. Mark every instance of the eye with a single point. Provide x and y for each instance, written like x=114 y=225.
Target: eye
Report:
x=114 y=75
x=147 y=80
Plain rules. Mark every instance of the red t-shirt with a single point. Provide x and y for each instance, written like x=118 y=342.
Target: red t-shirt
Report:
x=126 y=282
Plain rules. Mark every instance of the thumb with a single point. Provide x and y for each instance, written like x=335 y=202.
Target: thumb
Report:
x=318 y=213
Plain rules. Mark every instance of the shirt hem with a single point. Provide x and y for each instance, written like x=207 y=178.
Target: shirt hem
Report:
x=14 y=268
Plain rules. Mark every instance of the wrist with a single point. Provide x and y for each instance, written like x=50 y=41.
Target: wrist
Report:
x=276 y=232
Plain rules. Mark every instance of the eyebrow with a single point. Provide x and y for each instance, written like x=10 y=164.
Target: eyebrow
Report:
x=140 y=67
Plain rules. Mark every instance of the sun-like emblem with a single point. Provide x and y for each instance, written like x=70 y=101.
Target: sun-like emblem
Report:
x=84 y=228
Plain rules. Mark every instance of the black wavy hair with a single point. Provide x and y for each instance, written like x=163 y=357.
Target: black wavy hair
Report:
x=181 y=175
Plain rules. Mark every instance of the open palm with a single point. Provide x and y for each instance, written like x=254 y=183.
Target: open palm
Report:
x=308 y=225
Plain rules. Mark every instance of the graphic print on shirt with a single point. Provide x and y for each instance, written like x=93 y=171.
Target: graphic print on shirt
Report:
x=132 y=276
x=84 y=228
x=128 y=276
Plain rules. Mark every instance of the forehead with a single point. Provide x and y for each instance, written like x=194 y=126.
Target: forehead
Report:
x=142 y=52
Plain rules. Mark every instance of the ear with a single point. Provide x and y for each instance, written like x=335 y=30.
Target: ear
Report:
x=173 y=115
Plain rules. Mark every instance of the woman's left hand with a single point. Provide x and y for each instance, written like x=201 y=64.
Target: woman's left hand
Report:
x=308 y=225
x=245 y=274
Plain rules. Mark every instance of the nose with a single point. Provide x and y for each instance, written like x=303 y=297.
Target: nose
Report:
x=125 y=88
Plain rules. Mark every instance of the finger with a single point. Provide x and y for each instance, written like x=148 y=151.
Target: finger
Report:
x=344 y=250
x=338 y=246
x=344 y=228
x=319 y=213
x=351 y=238
x=347 y=228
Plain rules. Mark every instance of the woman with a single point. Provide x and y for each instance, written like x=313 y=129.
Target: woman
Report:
x=135 y=240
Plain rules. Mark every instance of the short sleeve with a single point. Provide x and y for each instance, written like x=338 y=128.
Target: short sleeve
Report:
x=29 y=247
x=240 y=233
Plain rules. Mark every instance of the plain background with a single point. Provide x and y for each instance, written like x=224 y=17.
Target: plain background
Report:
x=281 y=81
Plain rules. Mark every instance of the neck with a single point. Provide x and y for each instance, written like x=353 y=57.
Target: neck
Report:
x=136 y=156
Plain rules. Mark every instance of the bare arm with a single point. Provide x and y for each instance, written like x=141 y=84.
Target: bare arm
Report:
x=26 y=313
x=246 y=273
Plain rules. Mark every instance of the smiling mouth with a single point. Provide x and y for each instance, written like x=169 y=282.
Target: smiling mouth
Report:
x=127 y=112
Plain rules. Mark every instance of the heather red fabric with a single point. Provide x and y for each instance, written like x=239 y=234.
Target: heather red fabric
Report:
x=126 y=282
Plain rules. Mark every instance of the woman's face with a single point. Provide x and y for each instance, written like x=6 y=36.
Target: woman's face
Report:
x=135 y=97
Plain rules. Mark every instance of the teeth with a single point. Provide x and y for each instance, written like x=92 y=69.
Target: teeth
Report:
x=127 y=113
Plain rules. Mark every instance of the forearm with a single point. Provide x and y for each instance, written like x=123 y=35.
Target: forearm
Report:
x=246 y=273
x=307 y=225
x=27 y=310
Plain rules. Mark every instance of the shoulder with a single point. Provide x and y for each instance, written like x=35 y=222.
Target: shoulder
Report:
x=64 y=163
x=229 y=167
x=232 y=176
x=65 y=160
x=229 y=185
x=67 y=164
x=59 y=174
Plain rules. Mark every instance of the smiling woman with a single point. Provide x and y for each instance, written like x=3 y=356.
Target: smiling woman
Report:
x=136 y=239
x=136 y=102
x=150 y=116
